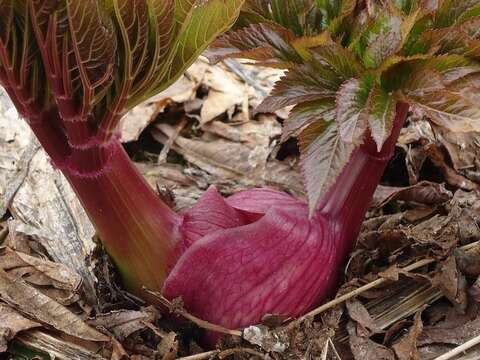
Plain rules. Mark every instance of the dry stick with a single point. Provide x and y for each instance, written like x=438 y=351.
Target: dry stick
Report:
x=352 y=294
x=222 y=353
x=201 y=323
x=171 y=139
x=460 y=349
x=204 y=355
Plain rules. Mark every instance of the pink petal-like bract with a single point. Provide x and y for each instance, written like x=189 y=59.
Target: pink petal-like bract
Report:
x=258 y=252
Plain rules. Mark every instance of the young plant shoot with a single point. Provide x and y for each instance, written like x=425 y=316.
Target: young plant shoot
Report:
x=354 y=69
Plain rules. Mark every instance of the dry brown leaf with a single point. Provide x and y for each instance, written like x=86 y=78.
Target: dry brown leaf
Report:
x=406 y=348
x=452 y=283
x=17 y=146
x=183 y=90
x=392 y=273
x=468 y=261
x=123 y=323
x=118 y=352
x=168 y=347
x=360 y=315
x=226 y=159
x=53 y=279
x=41 y=308
x=363 y=348
x=424 y=192
x=451 y=176
x=448 y=333
x=11 y=323
x=225 y=92
x=46 y=208
x=463 y=150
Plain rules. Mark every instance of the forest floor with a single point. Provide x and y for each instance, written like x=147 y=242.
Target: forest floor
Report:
x=411 y=289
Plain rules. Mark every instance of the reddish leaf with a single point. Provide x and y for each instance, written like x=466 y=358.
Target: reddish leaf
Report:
x=323 y=157
x=352 y=114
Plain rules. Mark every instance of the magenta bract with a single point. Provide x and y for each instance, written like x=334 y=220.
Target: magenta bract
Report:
x=264 y=255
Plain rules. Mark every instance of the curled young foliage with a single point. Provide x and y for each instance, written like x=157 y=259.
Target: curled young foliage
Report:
x=367 y=56
x=100 y=58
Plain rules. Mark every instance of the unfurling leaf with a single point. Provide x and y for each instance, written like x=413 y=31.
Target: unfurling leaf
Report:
x=94 y=44
x=207 y=20
x=324 y=155
x=351 y=113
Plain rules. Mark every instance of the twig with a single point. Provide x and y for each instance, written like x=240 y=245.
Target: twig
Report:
x=222 y=353
x=171 y=139
x=204 y=355
x=352 y=294
x=362 y=289
x=460 y=349
x=240 y=71
x=201 y=323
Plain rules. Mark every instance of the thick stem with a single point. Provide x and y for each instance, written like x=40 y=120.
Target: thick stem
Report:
x=347 y=202
x=137 y=229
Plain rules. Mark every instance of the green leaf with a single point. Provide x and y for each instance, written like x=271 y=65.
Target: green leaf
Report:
x=94 y=44
x=381 y=38
x=449 y=108
x=6 y=20
x=449 y=11
x=351 y=112
x=207 y=21
x=323 y=157
x=302 y=83
x=256 y=42
x=302 y=17
x=381 y=114
x=339 y=59
x=335 y=10
x=306 y=113
x=133 y=21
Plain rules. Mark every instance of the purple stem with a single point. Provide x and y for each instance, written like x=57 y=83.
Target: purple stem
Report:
x=346 y=204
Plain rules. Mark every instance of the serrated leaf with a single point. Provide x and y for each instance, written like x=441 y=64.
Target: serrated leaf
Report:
x=381 y=39
x=300 y=16
x=450 y=10
x=302 y=83
x=406 y=6
x=323 y=157
x=381 y=114
x=335 y=9
x=351 y=114
x=424 y=82
x=339 y=59
x=446 y=107
x=304 y=114
x=256 y=42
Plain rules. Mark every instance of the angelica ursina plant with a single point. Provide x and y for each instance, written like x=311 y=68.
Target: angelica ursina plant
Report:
x=74 y=67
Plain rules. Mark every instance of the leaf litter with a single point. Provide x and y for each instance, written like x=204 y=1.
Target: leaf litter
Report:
x=60 y=295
